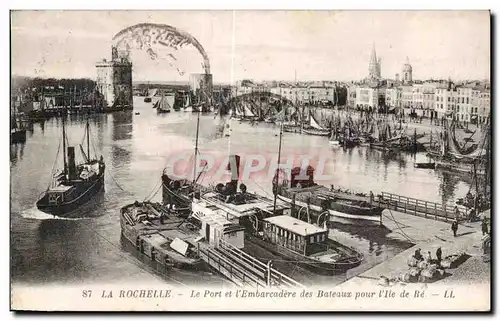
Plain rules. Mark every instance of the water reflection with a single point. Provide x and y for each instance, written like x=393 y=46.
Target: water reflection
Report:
x=448 y=186
x=122 y=125
x=16 y=152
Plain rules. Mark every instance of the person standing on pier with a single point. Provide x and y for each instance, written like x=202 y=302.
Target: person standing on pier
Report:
x=484 y=226
x=439 y=253
x=454 y=227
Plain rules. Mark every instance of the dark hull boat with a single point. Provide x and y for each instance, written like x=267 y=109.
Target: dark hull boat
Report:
x=64 y=200
x=75 y=185
x=305 y=193
x=427 y=165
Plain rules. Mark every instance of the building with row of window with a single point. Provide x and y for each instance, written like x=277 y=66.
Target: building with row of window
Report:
x=299 y=92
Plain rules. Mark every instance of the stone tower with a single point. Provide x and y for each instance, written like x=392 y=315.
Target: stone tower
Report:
x=374 y=65
x=407 y=72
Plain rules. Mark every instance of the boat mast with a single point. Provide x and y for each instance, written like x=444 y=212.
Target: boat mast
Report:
x=277 y=169
x=64 y=144
x=196 y=149
x=88 y=140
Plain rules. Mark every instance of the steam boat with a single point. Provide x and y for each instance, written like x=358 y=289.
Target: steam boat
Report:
x=306 y=193
x=76 y=184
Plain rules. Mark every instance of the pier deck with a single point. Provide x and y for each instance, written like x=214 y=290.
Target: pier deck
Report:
x=428 y=237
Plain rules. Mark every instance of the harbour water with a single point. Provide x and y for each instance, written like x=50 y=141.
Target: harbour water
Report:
x=136 y=148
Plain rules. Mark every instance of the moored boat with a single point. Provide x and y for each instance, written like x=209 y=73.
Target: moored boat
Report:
x=425 y=165
x=281 y=234
x=306 y=193
x=162 y=238
x=76 y=184
x=316 y=132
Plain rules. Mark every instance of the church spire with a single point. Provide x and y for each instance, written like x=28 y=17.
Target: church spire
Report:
x=374 y=65
x=407 y=60
x=373 y=58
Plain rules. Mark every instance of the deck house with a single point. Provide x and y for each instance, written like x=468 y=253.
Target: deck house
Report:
x=296 y=235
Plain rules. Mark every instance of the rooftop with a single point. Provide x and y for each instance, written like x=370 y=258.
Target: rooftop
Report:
x=295 y=225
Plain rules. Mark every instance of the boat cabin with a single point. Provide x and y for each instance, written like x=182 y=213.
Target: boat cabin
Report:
x=215 y=227
x=296 y=235
x=59 y=194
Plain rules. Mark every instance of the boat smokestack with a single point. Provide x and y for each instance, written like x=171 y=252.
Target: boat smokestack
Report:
x=234 y=166
x=71 y=163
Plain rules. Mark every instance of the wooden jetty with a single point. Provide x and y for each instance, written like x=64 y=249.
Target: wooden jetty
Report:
x=417 y=207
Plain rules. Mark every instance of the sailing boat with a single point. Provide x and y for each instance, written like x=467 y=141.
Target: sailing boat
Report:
x=165 y=103
x=17 y=131
x=148 y=98
x=76 y=184
x=315 y=128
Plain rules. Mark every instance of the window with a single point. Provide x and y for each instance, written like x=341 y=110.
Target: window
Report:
x=312 y=239
x=467 y=100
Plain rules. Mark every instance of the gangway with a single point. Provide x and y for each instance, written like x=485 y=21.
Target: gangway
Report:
x=241 y=268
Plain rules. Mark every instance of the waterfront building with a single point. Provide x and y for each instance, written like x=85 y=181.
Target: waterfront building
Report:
x=351 y=95
x=393 y=96
x=480 y=104
x=114 y=80
x=484 y=108
x=417 y=99
x=445 y=100
x=463 y=102
x=429 y=101
x=406 y=96
x=367 y=97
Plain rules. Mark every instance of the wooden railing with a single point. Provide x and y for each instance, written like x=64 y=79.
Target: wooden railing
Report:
x=229 y=269
x=243 y=269
x=271 y=276
x=409 y=205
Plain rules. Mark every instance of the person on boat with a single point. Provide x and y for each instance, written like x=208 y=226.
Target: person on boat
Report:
x=454 y=227
x=484 y=226
x=372 y=197
x=439 y=253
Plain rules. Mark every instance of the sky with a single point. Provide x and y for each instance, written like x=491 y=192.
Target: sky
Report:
x=261 y=45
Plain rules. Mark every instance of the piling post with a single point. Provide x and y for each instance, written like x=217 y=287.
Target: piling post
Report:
x=269 y=265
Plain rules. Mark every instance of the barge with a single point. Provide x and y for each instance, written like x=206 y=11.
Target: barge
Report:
x=162 y=238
